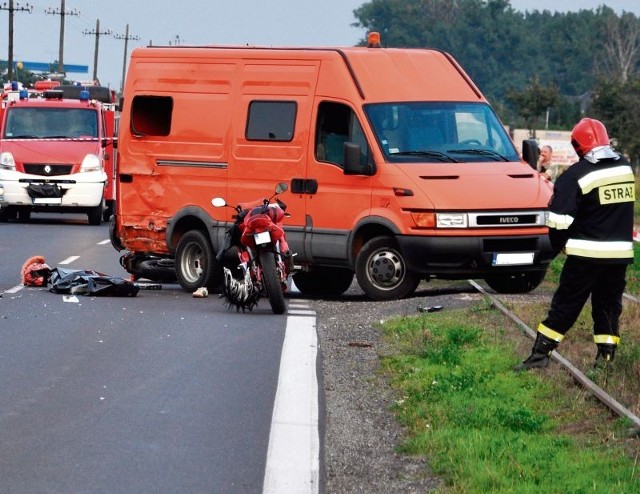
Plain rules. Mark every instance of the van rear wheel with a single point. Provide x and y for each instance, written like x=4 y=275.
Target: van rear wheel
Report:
x=382 y=271
x=195 y=262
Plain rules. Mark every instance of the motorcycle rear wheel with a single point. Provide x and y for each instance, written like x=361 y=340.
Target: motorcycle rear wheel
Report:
x=271 y=282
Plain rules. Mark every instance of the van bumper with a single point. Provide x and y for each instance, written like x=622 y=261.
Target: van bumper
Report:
x=469 y=257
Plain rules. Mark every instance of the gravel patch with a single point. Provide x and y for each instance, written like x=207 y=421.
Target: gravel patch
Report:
x=362 y=434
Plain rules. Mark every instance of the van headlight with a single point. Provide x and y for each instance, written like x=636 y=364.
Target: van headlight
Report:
x=451 y=220
x=7 y=162
x=90 y=163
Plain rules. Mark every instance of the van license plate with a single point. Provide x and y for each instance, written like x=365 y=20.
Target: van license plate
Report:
x=512 y=259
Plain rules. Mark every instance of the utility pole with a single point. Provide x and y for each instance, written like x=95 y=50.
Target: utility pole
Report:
x=97 y=33
x=62 y=13
x=11 y=8
x=126 y=38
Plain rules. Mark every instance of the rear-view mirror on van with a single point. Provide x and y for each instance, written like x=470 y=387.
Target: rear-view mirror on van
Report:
x=352 y=166
x=530 y=152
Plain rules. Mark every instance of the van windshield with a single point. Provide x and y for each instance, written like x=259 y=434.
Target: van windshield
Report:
x=440 y=132
x=44 y=123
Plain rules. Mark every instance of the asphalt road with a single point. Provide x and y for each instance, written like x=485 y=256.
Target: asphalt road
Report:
x=161 y=392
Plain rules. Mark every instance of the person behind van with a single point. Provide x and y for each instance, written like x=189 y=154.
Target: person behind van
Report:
x=545 y=164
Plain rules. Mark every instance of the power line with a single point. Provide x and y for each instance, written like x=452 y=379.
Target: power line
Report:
x=97 y=34
x=12 y=8
x=126 y=39
x=62 y=13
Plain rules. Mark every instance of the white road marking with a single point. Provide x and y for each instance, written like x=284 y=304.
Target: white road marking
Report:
x=293 y=458
x=104 y=242
x=69 y=260
x=300 y=312
x=14 y=289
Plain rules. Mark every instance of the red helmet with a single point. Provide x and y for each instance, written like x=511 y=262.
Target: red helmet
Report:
x=588 y=134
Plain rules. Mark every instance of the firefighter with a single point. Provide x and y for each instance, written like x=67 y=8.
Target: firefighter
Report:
x=591 y=220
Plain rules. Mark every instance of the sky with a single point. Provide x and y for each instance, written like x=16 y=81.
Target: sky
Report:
x=194 y=22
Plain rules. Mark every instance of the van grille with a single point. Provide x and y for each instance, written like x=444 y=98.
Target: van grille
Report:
x=47 y=170
x=507 y=219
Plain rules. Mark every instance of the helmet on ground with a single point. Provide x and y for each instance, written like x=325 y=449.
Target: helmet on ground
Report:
x=35 y=272
x=588 y=134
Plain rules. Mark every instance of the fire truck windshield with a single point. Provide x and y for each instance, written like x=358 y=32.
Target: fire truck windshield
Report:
x=47 y=123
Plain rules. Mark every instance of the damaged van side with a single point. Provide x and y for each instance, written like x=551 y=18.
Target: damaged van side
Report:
x=398 y=168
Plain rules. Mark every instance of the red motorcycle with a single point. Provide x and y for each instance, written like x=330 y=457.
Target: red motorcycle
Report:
x=265 y=261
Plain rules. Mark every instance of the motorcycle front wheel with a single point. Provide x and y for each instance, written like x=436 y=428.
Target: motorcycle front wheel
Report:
x=271 y=282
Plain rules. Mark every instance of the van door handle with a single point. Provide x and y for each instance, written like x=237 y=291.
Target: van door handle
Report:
x=304 y=186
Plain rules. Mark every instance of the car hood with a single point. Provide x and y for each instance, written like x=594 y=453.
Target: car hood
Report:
x=467 y=186
x=50 y=151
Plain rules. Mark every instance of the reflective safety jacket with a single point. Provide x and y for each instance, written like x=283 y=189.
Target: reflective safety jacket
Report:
x=591 y=211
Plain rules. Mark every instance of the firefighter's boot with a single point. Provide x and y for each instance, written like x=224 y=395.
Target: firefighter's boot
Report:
x=540 y=354
x=605 y=355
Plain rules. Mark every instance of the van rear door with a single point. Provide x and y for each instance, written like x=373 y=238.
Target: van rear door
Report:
x=271 y=132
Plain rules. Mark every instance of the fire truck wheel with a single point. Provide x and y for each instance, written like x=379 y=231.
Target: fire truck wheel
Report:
x=108 y=211
x=382 y=272
x=195 y=262
x=8 y=214
x=95 y=215
x=24 y=215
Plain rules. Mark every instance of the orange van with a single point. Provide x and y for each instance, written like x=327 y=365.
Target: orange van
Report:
x=398 y=168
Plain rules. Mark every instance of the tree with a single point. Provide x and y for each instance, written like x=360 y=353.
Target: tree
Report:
x=622 y=45
x=533 y=102
x=617 y=104
x=503 y=50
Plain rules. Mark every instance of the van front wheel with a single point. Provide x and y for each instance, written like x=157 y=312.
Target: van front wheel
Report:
x=382 y=272
x=195 y=263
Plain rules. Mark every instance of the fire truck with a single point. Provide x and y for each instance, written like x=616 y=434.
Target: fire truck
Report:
x=57 y=152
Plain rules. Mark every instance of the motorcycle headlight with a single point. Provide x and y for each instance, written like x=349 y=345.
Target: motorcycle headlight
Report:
x=7 y=162
x=90 y=163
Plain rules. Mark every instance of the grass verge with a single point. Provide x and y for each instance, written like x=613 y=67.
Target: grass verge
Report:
x=486 y=428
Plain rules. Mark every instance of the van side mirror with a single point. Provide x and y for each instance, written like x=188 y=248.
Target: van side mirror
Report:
x=352 y=166
x=530 y=152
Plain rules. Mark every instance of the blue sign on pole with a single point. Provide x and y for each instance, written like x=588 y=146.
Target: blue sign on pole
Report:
x=52 y=67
